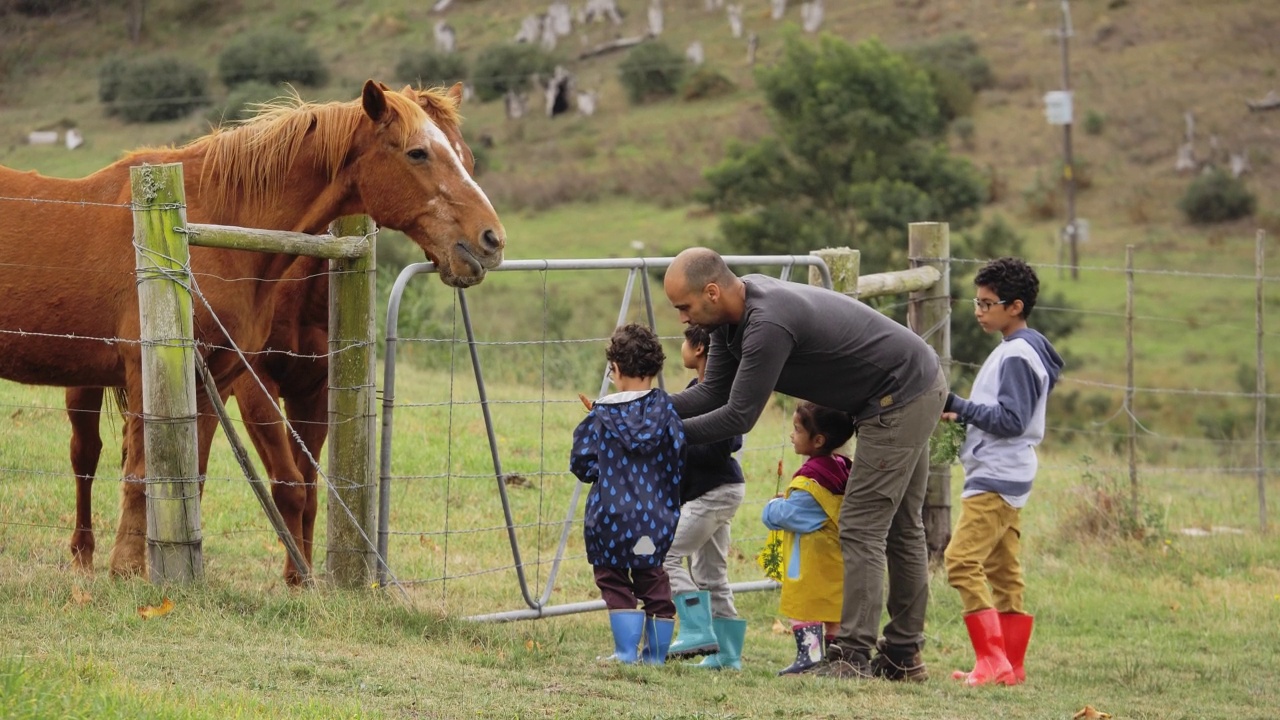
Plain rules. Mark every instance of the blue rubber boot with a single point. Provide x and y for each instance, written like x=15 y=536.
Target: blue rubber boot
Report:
x=731 y=632
x=657 y=640
x=627 y=627
x=696 y=636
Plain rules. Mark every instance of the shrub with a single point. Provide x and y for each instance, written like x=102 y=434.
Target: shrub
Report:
x=500 y=68
x=1093 y=122
x=1041 y=199
x=953 y=93
x=272 y=57
x=706 y=83
x=155 y=89
x=964 y=129
x=958 y=54
x=651 y=71
x=427 y=68
x=240 y=102
x=1215 y=196
x=109 y=75
x=41 y=8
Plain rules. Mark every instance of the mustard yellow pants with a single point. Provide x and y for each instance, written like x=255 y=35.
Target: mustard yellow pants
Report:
x=982 y=557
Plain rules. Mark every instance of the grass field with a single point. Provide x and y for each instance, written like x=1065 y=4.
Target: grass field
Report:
x=1170 y=626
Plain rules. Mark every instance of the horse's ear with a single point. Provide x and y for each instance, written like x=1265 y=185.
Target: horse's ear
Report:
x=375 y=102
x=410 y=91
x=385 y=87
x=455 y=94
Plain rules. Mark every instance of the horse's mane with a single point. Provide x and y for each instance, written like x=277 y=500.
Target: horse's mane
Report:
x=252 y=160
x=446 y=110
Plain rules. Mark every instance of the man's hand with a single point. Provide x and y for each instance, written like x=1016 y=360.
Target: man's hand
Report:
x=586 y=402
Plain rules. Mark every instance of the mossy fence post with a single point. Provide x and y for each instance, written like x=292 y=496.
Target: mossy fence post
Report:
x=353 y=501
x=174 y=539
x=929 y=315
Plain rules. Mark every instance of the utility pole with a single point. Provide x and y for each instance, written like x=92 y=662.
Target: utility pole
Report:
x=1068 y=167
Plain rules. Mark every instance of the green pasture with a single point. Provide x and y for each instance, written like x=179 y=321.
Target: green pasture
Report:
x=1171 y=626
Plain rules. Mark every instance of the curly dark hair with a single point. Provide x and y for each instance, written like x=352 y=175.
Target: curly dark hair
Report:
x=698 y=336
x=636 y=350
x=1010 y=279
x=834 y=425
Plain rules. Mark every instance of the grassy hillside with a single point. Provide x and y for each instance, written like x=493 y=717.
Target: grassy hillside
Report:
x=577 y=186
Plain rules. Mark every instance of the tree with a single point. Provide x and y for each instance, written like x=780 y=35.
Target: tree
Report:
x=857 y=154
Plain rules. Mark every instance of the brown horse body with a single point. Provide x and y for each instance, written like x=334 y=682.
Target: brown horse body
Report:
x=70 y=315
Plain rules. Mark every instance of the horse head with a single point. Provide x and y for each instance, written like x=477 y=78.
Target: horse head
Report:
x=414 y=177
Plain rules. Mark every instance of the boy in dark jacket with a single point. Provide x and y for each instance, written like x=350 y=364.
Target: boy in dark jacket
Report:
x=630 y=447
x=710 y=492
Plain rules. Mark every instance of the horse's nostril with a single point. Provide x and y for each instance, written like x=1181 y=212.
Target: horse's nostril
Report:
x=490 y=241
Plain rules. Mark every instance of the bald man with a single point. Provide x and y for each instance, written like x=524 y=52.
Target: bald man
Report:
x=818 y=345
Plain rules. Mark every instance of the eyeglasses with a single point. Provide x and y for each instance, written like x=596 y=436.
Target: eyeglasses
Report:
x=986 y=305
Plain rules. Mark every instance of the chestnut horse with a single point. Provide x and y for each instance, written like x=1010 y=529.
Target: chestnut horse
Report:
x=292 y=367
x=294 y=167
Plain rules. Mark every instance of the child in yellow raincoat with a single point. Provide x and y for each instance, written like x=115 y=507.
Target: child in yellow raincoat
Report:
x=804 y=517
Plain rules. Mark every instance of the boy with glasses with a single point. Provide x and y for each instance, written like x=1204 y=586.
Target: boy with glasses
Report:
x=1004 y=419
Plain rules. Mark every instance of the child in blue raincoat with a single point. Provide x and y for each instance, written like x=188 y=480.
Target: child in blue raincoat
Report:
x=630 y=447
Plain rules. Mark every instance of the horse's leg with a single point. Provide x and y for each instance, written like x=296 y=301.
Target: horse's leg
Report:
x=128 y=555
x=84 y=406
x=309 y=413
x=261 y=415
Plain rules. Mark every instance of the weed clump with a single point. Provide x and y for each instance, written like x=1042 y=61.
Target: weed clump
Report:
x=1105 y=511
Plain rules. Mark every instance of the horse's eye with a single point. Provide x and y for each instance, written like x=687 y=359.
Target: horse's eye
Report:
x=417 y=155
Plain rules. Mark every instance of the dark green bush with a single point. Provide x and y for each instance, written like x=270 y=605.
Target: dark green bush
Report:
x=651 y=71
x=41 y=8
x=109 y=75
x=155 y=89
x=241 y=100
x=958 y=54
x=272 y=57
x=500 y=68
x=1215 y=196
x=954 y=95
x=706 y=83
x=428 y=68
x=1093 y=122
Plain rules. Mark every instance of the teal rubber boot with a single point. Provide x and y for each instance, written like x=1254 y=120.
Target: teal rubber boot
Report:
x=657 y=640
x=627 y=627
x=731 y=632
x=696 y=636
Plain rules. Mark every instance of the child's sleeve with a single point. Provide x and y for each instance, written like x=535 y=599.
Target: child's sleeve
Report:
x=582 y=458
x=799 y=513
x=1015 y=402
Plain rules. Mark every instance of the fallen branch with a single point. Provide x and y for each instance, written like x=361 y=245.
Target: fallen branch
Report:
x=612 y=45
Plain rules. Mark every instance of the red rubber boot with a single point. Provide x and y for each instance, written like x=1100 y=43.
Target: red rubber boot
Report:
x=1017 y=635
x=988 y=645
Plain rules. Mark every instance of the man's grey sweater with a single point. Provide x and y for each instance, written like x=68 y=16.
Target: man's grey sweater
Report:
x=810 y=343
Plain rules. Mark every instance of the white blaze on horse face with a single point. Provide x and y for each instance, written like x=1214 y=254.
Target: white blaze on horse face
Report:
x=437 y=136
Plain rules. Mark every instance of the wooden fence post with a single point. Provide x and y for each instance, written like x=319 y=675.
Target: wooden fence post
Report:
x=174 y=539
x=352 y=509
x=929 y=314
x=844 y=264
